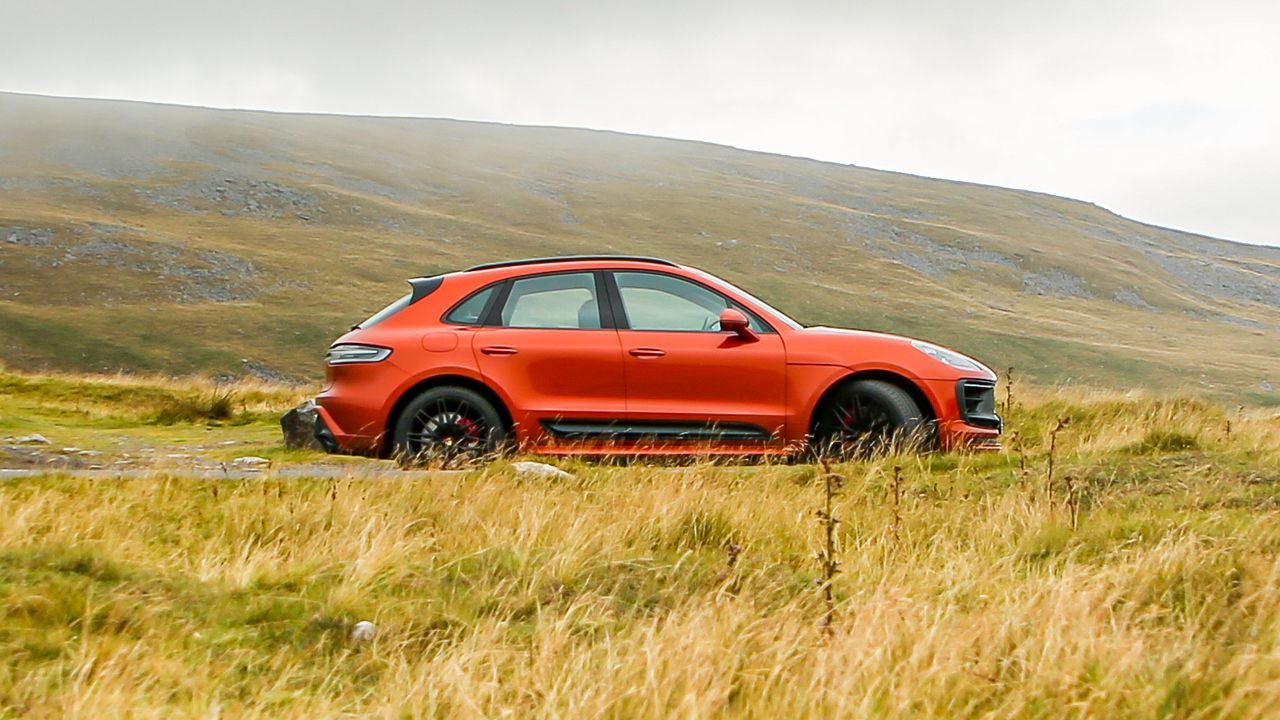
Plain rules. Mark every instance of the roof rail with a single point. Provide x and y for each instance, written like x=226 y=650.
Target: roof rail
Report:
x=571 y=258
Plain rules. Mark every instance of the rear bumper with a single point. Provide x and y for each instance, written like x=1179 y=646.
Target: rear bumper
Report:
x=352 y=410
x=338 y=440
x=324 y=434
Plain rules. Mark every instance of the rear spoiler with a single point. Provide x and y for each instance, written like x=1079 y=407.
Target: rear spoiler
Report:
x=423 y=287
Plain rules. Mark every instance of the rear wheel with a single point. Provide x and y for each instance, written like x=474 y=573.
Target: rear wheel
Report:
x=866 y=417
x=447 y=426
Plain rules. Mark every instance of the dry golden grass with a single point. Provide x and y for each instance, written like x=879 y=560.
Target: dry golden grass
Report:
x=614 y=595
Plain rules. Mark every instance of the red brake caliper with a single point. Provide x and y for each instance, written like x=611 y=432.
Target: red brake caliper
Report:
x=469 y=427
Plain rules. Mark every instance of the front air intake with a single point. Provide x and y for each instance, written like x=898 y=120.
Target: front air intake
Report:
x=977 y=402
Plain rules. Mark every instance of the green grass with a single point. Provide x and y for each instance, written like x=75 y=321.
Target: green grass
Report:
x=127 y=414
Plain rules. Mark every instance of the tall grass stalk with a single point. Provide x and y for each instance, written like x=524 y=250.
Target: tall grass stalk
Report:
x=828 y=560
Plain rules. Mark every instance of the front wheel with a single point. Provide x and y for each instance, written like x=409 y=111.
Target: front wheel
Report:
x=447 y=425
x=865 y=417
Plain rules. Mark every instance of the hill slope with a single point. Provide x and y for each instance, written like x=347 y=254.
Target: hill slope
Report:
x=177 y=239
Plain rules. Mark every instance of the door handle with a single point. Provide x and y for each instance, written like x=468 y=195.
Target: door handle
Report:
x=499 y=350
x=647 y=352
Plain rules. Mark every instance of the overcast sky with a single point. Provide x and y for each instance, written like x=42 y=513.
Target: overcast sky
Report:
x=1164 y=111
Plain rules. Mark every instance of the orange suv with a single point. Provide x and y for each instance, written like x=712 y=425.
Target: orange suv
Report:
x=610 y=354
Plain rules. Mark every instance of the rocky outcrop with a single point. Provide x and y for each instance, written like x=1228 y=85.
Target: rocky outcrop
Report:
x=299 y=427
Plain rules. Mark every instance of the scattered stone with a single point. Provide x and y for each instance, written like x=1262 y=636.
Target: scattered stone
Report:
x=540 y=471
x=26 y=236
x=251 y=461
x=265 y=373
x=364 y=631
x=32 y=439
x=1055 y=283
x=299 y=427
x=1128 y=296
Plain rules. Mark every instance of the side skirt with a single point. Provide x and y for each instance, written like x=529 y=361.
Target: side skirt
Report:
x=632 y=431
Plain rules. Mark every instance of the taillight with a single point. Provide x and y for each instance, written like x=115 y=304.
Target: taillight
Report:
x=350 y=354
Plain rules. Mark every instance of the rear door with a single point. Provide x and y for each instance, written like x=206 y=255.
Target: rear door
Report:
x=550 y=351
x=681 y=369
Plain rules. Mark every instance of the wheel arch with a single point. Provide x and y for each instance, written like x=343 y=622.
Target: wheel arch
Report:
x=434 y=381
x=906 y=384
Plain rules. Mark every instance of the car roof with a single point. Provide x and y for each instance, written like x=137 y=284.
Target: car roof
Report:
x=572 y=258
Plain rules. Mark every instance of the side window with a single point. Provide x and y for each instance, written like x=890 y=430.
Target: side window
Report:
x=468 y=311
x=565 y=300
x=655 y=301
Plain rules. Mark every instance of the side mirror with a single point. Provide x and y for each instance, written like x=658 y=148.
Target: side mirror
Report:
x=734 y=321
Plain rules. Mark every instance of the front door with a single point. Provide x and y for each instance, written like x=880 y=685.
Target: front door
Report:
x=552 y=354
x=683 y=370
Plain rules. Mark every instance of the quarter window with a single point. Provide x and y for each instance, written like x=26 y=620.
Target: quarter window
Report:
x=468 y=312
x=655 y=301
x=563 y=300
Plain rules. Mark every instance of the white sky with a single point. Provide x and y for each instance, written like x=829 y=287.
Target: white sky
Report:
x=1164 y=111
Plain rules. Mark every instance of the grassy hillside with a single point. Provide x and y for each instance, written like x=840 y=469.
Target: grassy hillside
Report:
x=176 y=240
x=1142 y=582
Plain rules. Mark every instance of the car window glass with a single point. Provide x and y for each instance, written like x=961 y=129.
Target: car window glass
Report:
x=565 y=300
x=654 y=301
x=468 y=311
x=387 y=312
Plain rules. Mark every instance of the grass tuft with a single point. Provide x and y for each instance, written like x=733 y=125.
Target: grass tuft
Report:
x=1167 y=441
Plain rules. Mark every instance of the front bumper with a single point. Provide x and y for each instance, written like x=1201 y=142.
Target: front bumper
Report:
x=966 y=414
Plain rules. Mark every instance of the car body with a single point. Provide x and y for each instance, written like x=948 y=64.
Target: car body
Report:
x=614 y=354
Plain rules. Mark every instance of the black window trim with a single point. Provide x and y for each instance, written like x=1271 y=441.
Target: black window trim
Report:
x=492 y=315
x=620 y=313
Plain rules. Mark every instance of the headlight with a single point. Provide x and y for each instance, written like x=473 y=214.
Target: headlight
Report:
x=348 y=354
x=947 y=357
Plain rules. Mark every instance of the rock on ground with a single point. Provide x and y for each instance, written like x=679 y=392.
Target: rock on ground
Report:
x=250 y=461
x=363 y=631
x=32 y=439
x=299 y=427
x=542 y=471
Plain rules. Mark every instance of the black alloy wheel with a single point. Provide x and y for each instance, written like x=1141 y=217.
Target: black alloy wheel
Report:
x=868 y=417
x=447 y=426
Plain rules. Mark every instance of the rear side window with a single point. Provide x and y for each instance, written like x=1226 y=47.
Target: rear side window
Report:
x=387 y=311
x=422 y=287
x=563 y=300
x=470 y=311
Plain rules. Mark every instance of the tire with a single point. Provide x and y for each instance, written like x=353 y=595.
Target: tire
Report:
x=446 y=425
x=868 y=417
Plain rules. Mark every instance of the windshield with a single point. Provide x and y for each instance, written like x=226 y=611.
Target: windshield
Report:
x=769 y=309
